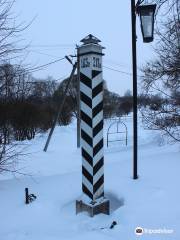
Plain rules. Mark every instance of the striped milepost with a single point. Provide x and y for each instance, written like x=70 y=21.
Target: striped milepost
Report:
x=91 y=112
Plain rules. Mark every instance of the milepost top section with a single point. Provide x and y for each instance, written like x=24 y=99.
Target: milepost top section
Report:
x=90 y=46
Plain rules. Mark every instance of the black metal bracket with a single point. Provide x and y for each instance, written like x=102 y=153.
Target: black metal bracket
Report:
x=139 y=2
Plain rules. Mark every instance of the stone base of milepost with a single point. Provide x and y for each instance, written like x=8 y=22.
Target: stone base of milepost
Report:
x=102 y=206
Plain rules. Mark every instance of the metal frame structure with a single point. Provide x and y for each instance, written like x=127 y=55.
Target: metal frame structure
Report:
x=117 y=132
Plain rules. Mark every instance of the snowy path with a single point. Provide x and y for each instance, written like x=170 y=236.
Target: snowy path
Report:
x=151 y=202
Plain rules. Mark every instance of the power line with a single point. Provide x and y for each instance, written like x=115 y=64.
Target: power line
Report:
x=37 y=80
x=52 y=45
x=45 y=65
x=42 y=53
x=35 y=69
x=61 y=78
x=117 y=70
x=119 y=64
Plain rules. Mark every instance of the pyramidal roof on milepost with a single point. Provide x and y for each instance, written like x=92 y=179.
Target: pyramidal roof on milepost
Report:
x=90 y=39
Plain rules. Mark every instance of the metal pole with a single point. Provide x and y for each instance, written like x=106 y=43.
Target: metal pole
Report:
x=78 y=100
x=26 y=196
x=60 y=107
x=134 y=64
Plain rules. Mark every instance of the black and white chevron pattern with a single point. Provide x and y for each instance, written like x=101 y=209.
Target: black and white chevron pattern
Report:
x=91 y=95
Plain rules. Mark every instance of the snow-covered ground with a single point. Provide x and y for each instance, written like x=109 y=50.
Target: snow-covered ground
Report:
x=151 y=202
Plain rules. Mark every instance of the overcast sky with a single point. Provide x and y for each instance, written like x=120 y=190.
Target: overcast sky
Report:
x=61 y=24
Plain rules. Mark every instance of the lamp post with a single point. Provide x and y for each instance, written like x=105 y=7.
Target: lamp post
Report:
x=146 y=13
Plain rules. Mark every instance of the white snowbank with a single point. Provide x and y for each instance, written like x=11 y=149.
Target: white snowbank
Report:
x=151 y=202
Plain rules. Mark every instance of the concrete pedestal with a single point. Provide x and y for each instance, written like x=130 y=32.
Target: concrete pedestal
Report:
x=93 y=208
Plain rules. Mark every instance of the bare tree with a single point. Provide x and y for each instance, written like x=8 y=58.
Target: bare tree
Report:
x=162 y=76
x=10 y=31
x=11 y=84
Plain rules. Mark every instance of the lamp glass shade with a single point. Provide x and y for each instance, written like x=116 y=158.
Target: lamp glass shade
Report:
x=147 y=13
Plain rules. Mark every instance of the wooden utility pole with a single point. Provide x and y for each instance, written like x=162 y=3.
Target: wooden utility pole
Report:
x=60 y=107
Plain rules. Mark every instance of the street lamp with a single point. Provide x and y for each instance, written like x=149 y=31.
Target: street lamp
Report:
x=146 y=13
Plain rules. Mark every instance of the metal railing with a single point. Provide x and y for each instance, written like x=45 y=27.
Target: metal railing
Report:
x=117 y=123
